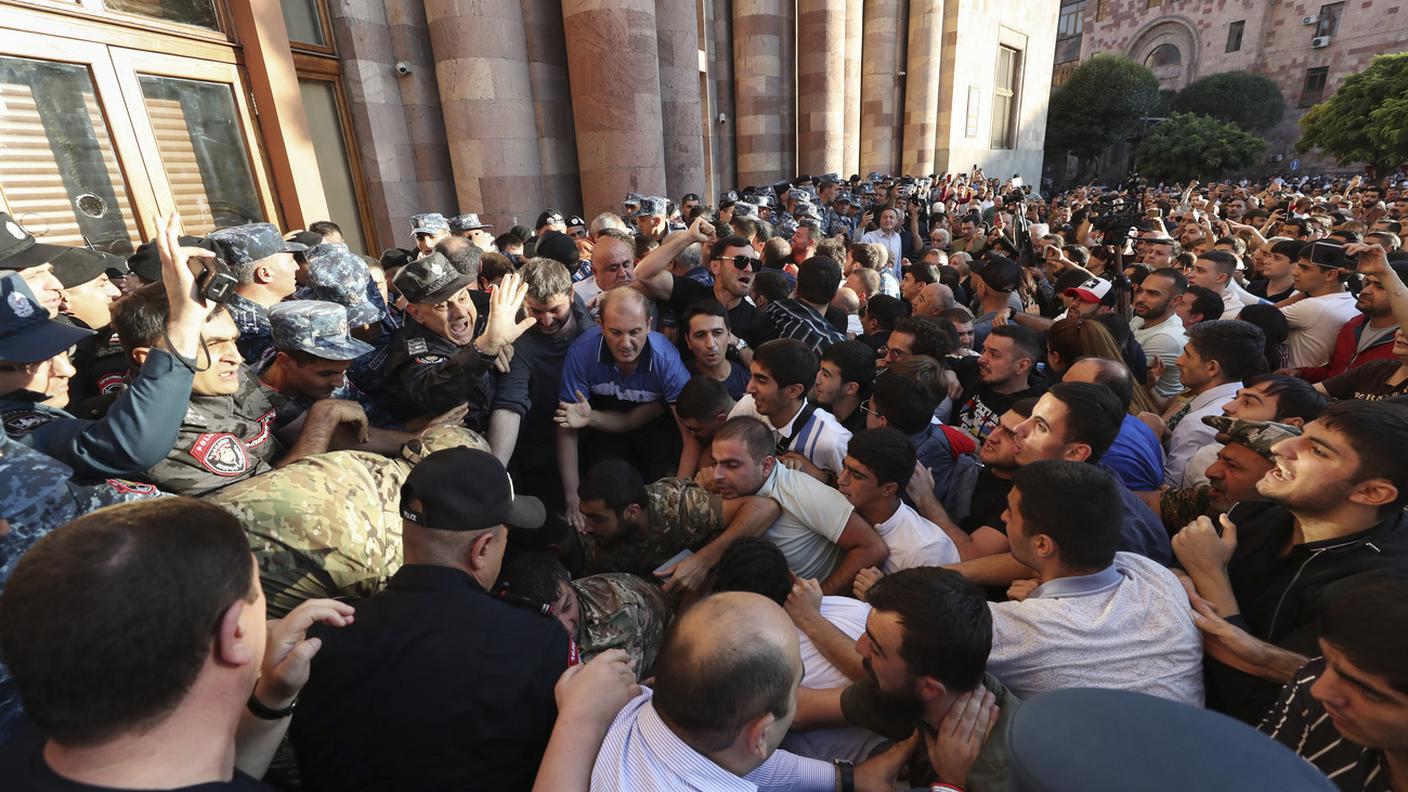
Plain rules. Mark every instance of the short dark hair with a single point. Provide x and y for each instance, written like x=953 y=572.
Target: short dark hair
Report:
x=1093 y=415
x=709 y=692
x=754 y=434
x=1295 y=398
x=1238 y=347
x=856 y=360
x=324 y=227
x=1225 y=262
x=1206 y=303
x=493 y=266
x=702 y=398
x=921 y=272
x=946 y=624
x=884 y=309
x=1026 y=340
x=140 y=318
x=507 y=240
x=1368 y=621
x=708 y=307
x=772 y=285
x=615 y=482
x=866 y=255
x=130 y=642
x=789 y=361
x=930 y=337
x=888 y=452
x=1378 y=432
x=756 y=565
x=462 y=254
x=1077 y=505
x=1178 y=282
x=536 y=574
x=817 y=280
x=905 y=394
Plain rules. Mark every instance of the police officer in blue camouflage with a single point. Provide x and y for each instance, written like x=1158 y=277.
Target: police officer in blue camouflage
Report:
x=446 y=353
x=470 y=227
x=37 y=495
x=428 y=228
x=141 y=426
x=653 y=217
x=263 y=264
x=313 y=349
x=336 y=274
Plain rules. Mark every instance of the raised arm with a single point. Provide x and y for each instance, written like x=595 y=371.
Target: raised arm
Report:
x=863 y=548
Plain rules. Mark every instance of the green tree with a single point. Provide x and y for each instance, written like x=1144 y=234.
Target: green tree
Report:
x=1250 y=101
x=1367 y=118
x=1188 y=146
x=1104 y=101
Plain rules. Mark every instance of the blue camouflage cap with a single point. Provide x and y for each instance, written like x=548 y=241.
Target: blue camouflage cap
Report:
x=1259 y=436
x=246 y=244
x=633 y=199
x=652 y=205
x=467 y=222
x=27 y=476
x=316 y=327
x=336 y=274
x=429 y=223
x=796 y=194
x=27 y=334
x=745 y=209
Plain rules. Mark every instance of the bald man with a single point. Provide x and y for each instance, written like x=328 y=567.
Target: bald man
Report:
x=700 y=729
x=933 y=300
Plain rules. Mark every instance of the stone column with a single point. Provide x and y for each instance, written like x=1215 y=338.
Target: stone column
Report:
x=921 y=96
x=850 y=158
x=721 y=71
x=615 y=68
x=420 y=99
x=552 y=106
x=879 y=88
x=677 y=44
x=762 y=91
x=821 y=85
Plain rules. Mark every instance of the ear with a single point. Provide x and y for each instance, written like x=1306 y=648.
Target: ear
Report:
x=232 y=645
x=1293 y=420
x=479 y=550
x=753 y=737
x=263 y=274
x=1375 y=492
x=929 y=689
x=139 y=356
x=797 y=391
x=768 y=462
x=1077 y=452
x=889 y=488
x=850 y=388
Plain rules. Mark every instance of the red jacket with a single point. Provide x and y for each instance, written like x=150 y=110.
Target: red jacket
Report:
x=1345 y=357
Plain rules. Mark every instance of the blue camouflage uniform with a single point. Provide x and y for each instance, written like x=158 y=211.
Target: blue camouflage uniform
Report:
x=37 y=495
x=243 y=247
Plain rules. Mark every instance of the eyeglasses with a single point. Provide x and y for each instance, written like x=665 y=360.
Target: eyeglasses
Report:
x=742 y=262
x=867 y=409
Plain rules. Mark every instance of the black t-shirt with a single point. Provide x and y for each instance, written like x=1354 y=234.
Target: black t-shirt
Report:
x=1368 y=382
x=980 y=409
x=989 y=502
x=742 y=318
x=23 y=769
x=1259 y=287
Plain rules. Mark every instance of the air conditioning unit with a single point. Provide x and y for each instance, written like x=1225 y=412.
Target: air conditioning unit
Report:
x=1310 y=20
x=1320 y=41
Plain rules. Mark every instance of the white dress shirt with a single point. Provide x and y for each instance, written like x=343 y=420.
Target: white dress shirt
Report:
x=641 y=754
x=1127 y=627
x=822 y=440
x=891 y=242
x=1191 y=433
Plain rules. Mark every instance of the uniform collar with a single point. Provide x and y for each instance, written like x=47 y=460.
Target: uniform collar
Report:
x=1079 y=585
x=435 y=578
x=644 y=362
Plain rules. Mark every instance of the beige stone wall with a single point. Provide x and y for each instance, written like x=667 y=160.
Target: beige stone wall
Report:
x=677 y=45
x=921 y=93
x=883 y=48
x=973 y=32
x=764 y=91
x=855 y=38
x=821 y=85
x=546 y=47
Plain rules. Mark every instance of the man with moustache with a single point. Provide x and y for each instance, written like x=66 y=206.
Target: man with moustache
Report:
x=1157 y=327
x=1244 y=458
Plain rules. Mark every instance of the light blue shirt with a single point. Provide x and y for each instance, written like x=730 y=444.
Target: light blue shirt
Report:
x=640 y=753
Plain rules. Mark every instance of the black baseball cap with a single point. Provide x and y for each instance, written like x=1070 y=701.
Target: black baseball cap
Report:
x=145 y=263
x=550 y=216
x=465 y=489
x=19 y=249
x=394 y=258
x=559 y=247
x=76 y=266
x=998 y=272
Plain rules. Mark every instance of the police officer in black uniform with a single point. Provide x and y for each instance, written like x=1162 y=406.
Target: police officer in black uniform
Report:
x=438 y=684
x=446 y=352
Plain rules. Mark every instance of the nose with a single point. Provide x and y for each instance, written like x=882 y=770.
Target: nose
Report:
x=62 y=367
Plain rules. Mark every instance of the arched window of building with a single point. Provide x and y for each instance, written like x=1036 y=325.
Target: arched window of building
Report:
x=1164 y=55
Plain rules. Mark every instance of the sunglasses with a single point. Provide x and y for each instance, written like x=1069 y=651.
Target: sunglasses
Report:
x=742 y=262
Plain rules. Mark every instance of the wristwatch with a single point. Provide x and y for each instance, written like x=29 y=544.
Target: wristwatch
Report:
x=845 y=775
x=263 y=712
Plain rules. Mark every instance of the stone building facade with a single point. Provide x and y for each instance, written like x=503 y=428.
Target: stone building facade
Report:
x=518 y=104
x=1307 y=47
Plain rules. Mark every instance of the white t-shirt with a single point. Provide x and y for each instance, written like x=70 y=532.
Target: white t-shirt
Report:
x=851 y=742
x=1126 y=628
x=822 y=440
x=813 y=518
x=914 y=541
x=1315 y=322
x=1164 y=341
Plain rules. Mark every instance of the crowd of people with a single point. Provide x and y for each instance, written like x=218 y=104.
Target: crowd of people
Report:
x=835 y=484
